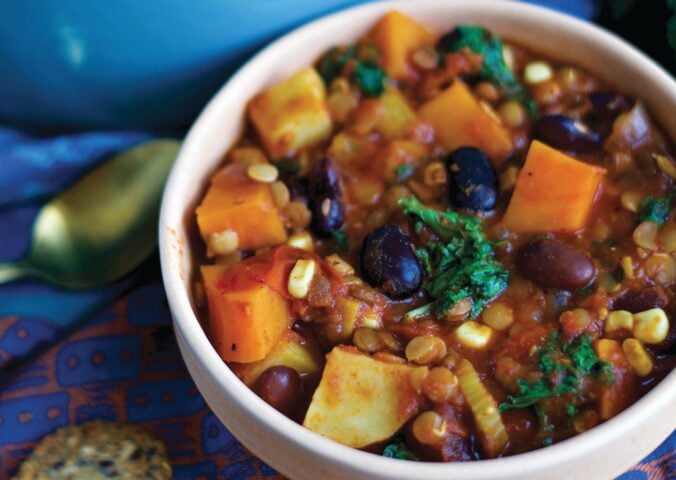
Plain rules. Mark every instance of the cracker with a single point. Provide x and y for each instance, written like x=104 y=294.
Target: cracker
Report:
x=97 y=450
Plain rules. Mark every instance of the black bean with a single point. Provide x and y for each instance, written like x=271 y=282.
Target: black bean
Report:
x=553 y=264
x=608 y=105
x=281 y=387
x=560 y=131
x=389 y=262
x=326 y=203
x=472 y=181
x=637 y=301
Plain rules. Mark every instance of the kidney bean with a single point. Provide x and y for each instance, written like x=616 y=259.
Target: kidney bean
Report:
x=560 y=131
x=636 y=301
x=326 y=203
x=608 y=105
x=281 y=387
x=389 y=262
x=554 y=264
x=472 y=181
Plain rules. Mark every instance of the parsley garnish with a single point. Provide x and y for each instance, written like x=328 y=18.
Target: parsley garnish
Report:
x=566 y=362
x=493 y=68
x=461 y=264
x=341 y=240
x=367 y=74
x=370 y=78
x=403 y=172
x=655 y=209
x=398 y=449
x=332 y=62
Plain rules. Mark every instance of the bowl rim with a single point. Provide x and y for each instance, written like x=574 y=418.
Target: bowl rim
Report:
x=172 y=217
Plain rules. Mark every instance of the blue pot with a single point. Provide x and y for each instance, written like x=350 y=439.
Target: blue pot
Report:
x=130 y=63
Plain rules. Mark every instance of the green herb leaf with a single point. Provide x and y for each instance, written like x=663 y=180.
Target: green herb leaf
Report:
x=370 y=78
x=403 y=172
x=332 y=62
x=461 y=264
x=655 y=209
x=568 y=363
x=341 y=241
x=287 y=166
x=398 y=449
x=493 y=68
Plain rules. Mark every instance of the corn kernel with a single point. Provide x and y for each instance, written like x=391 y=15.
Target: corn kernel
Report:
x=222 y=243
x=247 y=156
x=645 y=234
x=300 y=277
x=651 y=326
x=630 y=201
x=371 y=319
x=473 y=335
x=302 y=240
x=262 y=172
x=537 y=72
x=666 y=164
x=280 y=193
x=618 y=320
x=340 y=265
x=508 y=179
x=627 y=266
x=637 y=356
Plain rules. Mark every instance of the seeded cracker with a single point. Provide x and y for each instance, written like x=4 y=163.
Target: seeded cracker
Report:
x=97 y=450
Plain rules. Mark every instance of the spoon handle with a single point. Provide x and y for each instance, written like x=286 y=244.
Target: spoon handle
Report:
x=11 y=271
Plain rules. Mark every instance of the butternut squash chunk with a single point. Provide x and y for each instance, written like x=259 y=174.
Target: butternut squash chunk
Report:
x=292 y=115
x=396 y=154
x=460 y=120
x=236 y=202
x=397 y=36
x=248 y=307
x=553 y=192
x=290 y=351
x=617 y=396
x=361 y=401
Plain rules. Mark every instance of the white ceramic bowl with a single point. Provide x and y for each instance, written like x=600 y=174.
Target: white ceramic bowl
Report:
x=603 y=452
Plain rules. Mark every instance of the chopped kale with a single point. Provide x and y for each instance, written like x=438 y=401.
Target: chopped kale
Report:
x=398 y=449
x=403 y=172
x=568 y=362
x=332 y=62
x=370 y=78
x=461 y=264
x=341 y=241
x=655 y=209
x=493 y=68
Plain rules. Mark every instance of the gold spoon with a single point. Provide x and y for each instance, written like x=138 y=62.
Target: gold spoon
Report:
x=103 y=226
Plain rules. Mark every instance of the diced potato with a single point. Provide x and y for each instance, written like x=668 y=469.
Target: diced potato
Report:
x=397 y=116
x=290 y=351
x=396 y=154
x=637 y=357
x=553 y=193
x=460 y=120
x=292 y=115
x=351 y=149
x=484 y=408
x=235 y=202
x=396 y=37
x=361 y=401
x=474 y=335
x=651 y=326
x=619 y=320
x=618 y=395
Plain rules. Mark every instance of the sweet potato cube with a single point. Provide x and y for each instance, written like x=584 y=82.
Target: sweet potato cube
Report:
x=292 y=115
x=460 y=120
x=396 y=154
x=618 y=395
x=361 y=401
x=397 y=36
x=290 y=351
x=247 y=315
x=553 y=192
x=236 y=202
